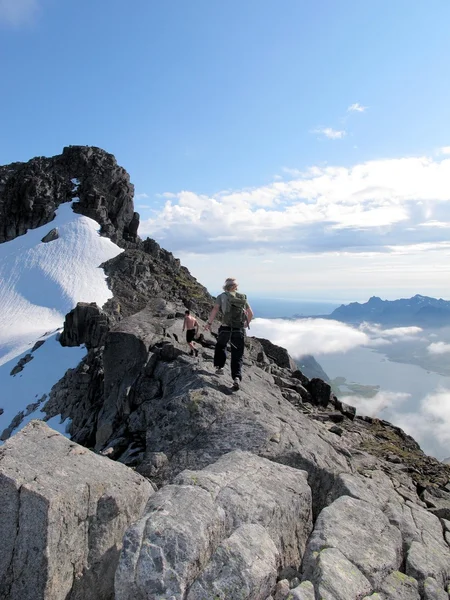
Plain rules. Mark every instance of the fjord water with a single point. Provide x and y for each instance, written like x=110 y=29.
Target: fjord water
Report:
x=406 y=392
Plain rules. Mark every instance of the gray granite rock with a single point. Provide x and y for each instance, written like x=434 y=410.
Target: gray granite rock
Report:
x=282 y=590
x=238 y=490
x=398 y=586
x=254 y=490
x=432 y=591
x=428 y=555
x=335 y=577
x=304 y=591
x=438 y=501
x=63 y=513
x=362 y=533
x=165 y=551
x=243 y=566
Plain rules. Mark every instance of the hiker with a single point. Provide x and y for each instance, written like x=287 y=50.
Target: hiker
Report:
x=191 y=326
x=237 y=315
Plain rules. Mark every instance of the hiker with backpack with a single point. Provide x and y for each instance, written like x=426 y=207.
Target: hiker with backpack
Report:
x=237 y=315
x=190 y=324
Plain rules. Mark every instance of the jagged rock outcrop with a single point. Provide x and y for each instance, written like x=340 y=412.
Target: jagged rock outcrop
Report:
x=63 y=514
x=31 y=192
x=279 y=355
x=85 y=324
x=139 y=275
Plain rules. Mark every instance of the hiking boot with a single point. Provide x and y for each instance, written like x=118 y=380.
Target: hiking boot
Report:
x=219 y=371
x=196 y=353
x=236 y=383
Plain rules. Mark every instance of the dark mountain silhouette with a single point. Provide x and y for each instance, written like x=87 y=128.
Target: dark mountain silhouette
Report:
x=418 y=310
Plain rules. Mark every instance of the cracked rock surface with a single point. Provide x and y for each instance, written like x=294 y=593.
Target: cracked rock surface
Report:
x=63 y=514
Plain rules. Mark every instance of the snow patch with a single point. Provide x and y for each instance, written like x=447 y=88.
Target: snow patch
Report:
x=40 y=283
x=20 y=392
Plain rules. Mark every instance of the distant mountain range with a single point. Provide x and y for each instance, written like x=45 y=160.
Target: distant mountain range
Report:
x=418 y=310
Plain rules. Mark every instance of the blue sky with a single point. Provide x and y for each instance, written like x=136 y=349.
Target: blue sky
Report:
x=234 y=122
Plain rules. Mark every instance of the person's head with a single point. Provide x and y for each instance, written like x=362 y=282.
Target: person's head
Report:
x=187 y=313
x=230 y=284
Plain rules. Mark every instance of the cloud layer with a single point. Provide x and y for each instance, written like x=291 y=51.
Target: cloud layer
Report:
x=427 y=419
x=326 y=336
x=309 y=336
x=395 y=206
x=430 y=425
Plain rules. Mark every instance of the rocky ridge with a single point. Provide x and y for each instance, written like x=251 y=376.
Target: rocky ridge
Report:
x=276 y=492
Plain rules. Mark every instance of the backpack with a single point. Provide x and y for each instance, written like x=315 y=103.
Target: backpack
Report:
x=235 y=315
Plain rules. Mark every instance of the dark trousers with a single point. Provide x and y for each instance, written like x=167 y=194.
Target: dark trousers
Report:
x=235 y=338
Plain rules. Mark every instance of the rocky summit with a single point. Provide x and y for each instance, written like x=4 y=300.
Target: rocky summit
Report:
x=175 y=487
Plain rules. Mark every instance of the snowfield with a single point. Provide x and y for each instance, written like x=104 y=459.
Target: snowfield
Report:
x=39 y=284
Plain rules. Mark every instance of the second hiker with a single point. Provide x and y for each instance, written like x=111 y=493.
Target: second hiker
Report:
x=237 y=315
x=191 y=326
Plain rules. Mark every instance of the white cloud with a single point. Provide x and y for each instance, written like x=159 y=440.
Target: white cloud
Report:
x=373 y=407
x=444 y=150
x=330 y=133
x=17 y=12
x=309 y=336
x=141 y=196
x=380 y=336
x=326 y=336
x=438 y=348
x=356 y=107
x=438 y=224
x=379 y=206
x=430 y=425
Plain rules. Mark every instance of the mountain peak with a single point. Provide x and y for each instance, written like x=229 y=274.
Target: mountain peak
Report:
x=31 y=192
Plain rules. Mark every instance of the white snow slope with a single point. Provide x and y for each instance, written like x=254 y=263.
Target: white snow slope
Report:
x=39 y=284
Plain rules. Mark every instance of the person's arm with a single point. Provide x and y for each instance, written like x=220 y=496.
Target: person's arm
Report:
x=249 y=314
x=184 y=325
x=212 y=316
x=196 y=327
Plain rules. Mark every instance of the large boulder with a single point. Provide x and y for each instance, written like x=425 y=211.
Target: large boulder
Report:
x=85 y=324
x=63 y=514
x=279 y=355
x=228 y=527
x=366 y=541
